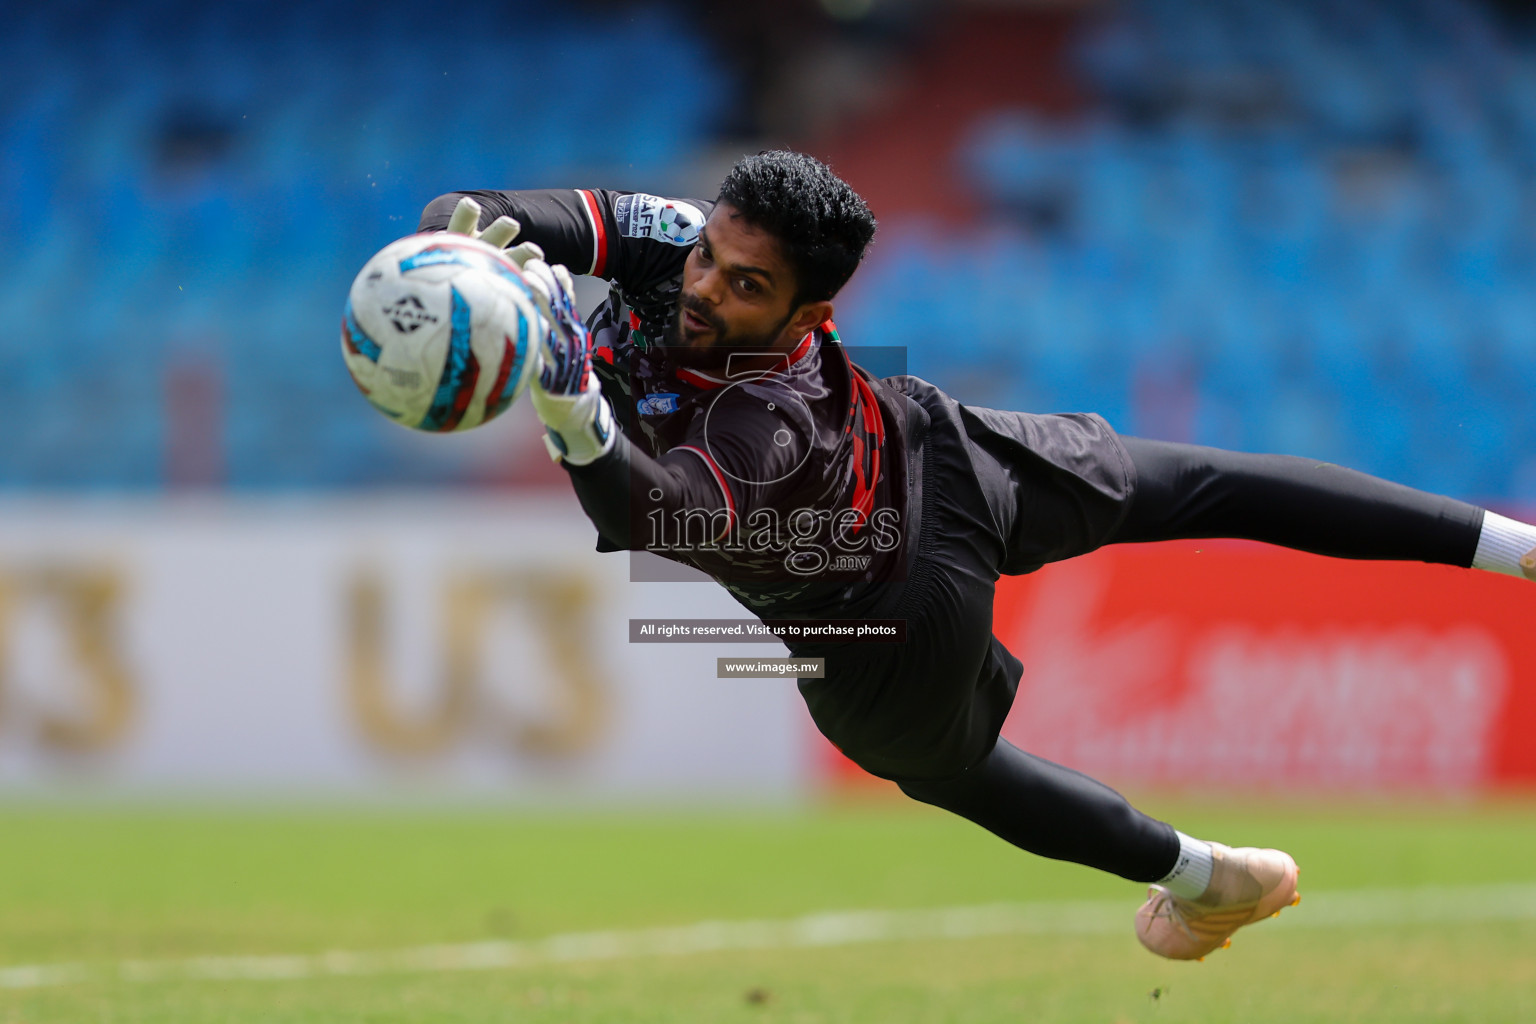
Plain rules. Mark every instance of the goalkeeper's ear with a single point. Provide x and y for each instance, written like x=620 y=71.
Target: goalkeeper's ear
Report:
x=809 y=316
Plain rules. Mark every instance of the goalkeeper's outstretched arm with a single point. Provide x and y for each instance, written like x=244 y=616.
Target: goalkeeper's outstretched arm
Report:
x=554 y=219
x=617 y=483
x=626 y=493
x=600 y=232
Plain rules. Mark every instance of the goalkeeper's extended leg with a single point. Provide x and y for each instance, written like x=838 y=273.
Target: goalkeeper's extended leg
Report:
x=1054 y=811
x=1190 y=491
x=1204 y=891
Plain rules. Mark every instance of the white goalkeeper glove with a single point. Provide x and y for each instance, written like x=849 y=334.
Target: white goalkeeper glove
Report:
x=578 y=422
x=499 y=232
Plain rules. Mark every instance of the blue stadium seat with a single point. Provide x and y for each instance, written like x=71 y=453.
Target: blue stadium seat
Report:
x=215 y=187
x=1350 y=247
x=1340 y=268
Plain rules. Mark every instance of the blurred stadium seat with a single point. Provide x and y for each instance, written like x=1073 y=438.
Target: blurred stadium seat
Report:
x=1319 y=214
x=194 y=182
x=1292 y=226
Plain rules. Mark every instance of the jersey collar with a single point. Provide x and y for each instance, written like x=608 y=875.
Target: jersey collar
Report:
x=703 y=380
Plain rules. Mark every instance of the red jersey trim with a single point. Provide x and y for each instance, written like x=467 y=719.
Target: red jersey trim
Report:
x=599 y=236
x=865 y=405
x=800 y=350
x=730 y=503
x=699 y=380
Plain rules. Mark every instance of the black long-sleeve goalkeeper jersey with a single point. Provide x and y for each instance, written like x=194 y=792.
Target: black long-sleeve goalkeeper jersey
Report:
x=785 y=485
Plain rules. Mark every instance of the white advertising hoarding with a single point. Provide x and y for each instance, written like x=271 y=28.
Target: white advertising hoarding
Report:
x=427 y=645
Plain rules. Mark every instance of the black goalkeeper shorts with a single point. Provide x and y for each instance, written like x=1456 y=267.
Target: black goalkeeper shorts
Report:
x=994 y=492
x=1001 y=492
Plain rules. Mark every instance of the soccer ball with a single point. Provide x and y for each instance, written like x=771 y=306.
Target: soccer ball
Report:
x=439 y=330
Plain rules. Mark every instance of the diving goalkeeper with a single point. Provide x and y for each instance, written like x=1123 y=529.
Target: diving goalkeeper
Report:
x=709 y=412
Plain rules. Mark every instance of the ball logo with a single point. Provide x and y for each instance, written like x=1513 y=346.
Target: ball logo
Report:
x=408 y=380
x=408 y=314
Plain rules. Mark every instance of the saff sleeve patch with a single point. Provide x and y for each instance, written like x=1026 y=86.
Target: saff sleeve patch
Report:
x=664 y=220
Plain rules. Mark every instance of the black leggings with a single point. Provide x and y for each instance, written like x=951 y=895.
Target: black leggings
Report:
x=1054 y=811
x=1184 y=492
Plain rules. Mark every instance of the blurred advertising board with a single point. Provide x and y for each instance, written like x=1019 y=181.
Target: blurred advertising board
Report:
x=479 y=647
x=426 y=645
x=1235 y=664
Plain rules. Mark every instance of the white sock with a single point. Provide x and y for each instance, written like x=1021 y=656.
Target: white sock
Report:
x=1191 y=875
x=1503 y=544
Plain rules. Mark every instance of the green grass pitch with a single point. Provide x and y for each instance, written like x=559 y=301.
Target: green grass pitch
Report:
x=98 y=888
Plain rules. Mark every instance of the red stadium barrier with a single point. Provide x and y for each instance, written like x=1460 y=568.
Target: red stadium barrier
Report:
x=1224 y=663
x=1243 y=664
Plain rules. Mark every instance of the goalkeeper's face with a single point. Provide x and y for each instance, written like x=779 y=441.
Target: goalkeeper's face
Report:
x=739 y=295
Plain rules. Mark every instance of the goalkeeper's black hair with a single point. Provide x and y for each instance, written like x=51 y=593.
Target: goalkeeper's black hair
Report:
x=822 y=223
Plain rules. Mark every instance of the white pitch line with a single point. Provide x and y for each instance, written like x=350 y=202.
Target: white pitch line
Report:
x=1349 y=908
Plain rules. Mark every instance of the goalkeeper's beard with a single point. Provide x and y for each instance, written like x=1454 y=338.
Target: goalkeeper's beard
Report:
x=715 y=354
